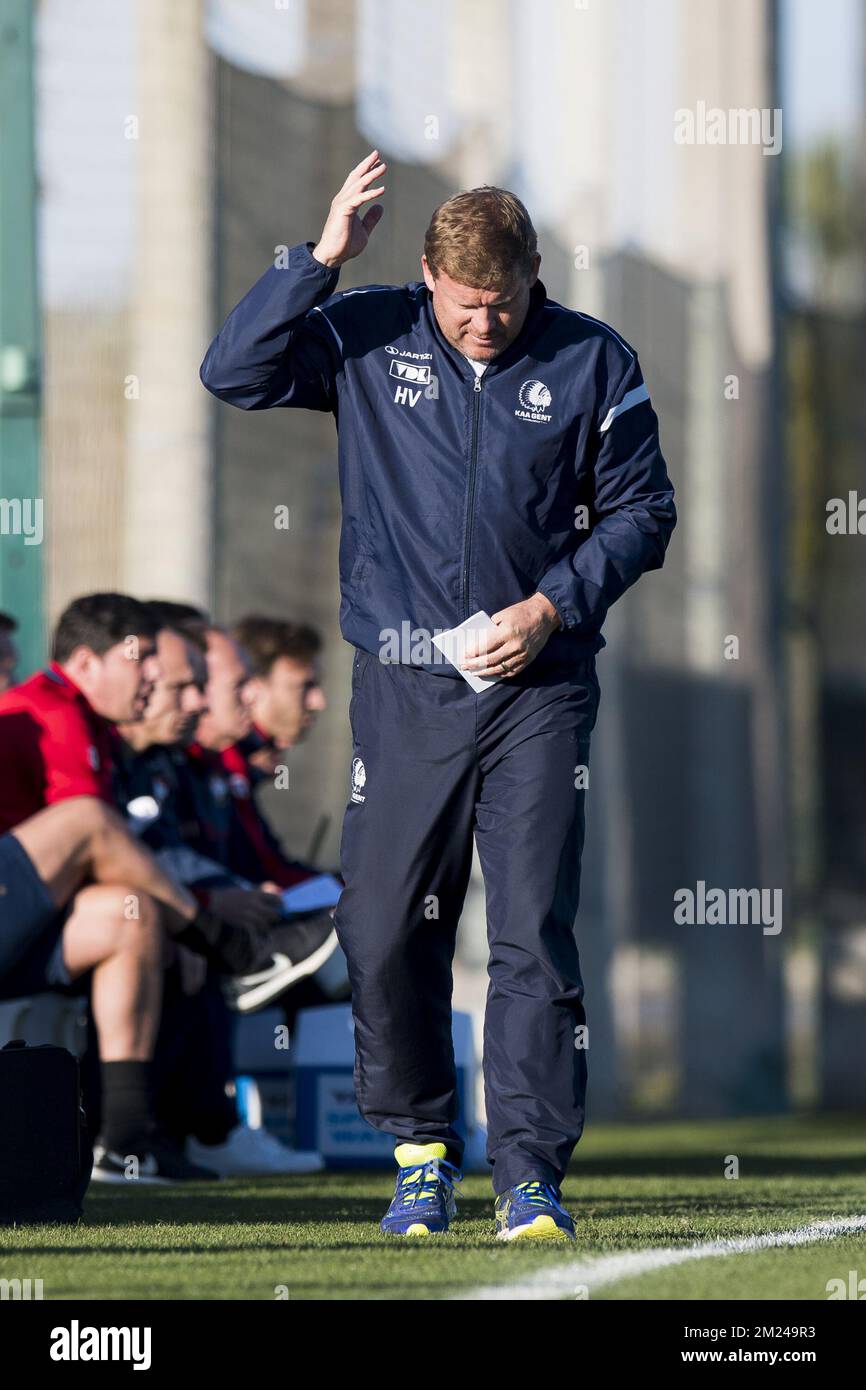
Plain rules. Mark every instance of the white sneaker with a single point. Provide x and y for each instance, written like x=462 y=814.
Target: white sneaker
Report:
x=253 y=1153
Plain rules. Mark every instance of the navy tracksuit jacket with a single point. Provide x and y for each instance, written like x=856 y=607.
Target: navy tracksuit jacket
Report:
x=462 y=493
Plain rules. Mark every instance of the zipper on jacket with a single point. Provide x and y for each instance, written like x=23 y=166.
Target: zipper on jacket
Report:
x=473 y=459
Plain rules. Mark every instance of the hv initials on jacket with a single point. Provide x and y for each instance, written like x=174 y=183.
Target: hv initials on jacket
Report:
x=460 y=492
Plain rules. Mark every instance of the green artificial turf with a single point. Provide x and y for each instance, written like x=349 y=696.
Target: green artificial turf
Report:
x=631 y=1187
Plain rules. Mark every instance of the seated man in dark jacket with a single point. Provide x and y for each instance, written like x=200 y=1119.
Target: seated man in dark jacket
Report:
x=193 y=1057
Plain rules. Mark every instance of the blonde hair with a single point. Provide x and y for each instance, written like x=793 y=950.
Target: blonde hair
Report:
x=483 y=238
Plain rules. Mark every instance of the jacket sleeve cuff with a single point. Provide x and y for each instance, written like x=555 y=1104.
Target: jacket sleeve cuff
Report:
x=301 y=258
x=558 y=596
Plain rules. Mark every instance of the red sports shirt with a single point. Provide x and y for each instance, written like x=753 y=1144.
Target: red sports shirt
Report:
x=52 y=745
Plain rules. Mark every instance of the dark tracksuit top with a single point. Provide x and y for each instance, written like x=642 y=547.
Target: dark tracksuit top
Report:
x=462 y=493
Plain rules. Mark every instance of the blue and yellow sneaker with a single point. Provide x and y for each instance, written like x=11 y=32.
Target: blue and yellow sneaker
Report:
x=532 y=1211
x=424 y=1200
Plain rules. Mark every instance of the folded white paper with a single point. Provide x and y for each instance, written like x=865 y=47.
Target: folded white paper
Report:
x=452 y=644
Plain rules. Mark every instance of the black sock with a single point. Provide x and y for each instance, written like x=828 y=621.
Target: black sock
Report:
x=127 y=1106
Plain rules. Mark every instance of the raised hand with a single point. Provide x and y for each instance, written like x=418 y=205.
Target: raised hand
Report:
x=345 y=234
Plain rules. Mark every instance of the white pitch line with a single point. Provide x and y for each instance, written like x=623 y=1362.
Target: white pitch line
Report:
x=561 y=1279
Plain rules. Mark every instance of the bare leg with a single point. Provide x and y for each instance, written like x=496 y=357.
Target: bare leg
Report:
x=84 y=838
x=117 y=928
x=126 y=955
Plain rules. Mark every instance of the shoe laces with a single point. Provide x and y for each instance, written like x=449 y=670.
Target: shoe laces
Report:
x=418 y=1185
x=538 y=1194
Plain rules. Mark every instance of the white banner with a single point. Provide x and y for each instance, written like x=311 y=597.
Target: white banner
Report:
x=268 y=37
x=404 y=70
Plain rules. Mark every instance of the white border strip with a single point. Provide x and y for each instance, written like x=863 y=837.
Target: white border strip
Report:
x=562 y=1279
x=633 y=397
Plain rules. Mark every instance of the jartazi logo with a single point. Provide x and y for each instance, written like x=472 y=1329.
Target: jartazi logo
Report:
x=75 y=1343
x=534 y=397
x=404 y=352
x=409 y=371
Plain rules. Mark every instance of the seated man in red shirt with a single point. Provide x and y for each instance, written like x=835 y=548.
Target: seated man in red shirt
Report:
x=285 y=692
x=55 y=728
x=283 y=697
x=55 y=735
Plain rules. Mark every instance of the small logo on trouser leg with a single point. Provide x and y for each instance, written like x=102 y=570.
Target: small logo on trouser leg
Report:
x=359 y=779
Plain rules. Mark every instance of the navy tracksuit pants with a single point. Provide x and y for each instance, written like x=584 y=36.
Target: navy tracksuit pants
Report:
x=433 y=764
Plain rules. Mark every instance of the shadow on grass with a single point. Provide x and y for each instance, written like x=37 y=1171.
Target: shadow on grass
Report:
x=708 y=1165
x=641 y=1221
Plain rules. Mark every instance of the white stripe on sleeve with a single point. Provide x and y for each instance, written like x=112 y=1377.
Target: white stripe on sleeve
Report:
x=640 y=393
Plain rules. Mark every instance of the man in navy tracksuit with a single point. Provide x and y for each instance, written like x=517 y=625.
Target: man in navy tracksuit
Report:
x=498 y=454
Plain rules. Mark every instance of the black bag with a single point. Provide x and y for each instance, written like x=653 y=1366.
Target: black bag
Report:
x=46 y=1156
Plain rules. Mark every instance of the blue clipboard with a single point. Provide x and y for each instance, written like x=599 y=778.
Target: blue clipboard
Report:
x=313 y=895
